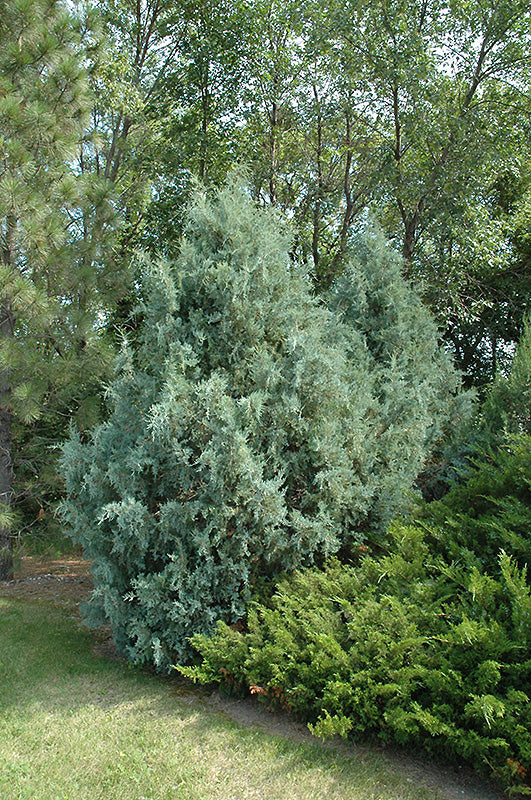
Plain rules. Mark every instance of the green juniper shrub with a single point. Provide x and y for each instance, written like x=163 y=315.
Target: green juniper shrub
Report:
x=407 y=648
x=488 y=512
x=244 y=436
x=506 y=410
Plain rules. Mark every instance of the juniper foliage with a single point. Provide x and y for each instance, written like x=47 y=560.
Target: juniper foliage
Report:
x=506 y=411
x=417 y=402
x=408 y=649
x=243 y=438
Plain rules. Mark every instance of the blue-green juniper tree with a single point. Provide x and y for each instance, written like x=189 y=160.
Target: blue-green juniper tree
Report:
x=244 y=436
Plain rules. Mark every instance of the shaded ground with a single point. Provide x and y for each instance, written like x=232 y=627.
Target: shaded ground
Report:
x=60 y=579
x=67 y=580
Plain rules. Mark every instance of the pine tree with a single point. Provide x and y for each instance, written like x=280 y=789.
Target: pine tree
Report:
x=48 y=342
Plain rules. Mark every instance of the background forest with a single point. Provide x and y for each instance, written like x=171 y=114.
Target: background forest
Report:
x=266 y=266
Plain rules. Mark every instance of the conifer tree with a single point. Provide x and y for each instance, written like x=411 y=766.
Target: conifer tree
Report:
x=241 y=440
x=416 y=388
x=232 y=450
x=506 y=411
x=48 y=342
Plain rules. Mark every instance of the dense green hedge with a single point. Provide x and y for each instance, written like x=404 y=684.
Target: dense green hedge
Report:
x=429 y=645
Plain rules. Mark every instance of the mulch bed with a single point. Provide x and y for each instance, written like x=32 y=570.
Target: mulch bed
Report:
x=61 y=579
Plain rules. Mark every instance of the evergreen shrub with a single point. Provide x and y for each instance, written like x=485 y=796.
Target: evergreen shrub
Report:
x=506 y=410
x=251 y=430
x=418 y=408
x=488 y=512
x=409 y=648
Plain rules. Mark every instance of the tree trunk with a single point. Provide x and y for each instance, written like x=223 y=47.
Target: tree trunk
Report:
x=273 y=154
x=6 y=494
x=319 y=197
x=205 y=114
x=409 y=241
x=6 y=470
x=7 y=328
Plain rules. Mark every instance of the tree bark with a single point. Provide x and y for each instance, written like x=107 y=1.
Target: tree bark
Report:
x=273 y=153
x=319 y=196
x=7 y=327
x=410 y=229
x=6 y=469
x=205 y=113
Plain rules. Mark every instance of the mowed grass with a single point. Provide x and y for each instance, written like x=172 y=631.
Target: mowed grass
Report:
x=74 y=726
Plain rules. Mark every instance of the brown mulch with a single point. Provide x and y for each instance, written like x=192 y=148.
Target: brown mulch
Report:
x=67 y=578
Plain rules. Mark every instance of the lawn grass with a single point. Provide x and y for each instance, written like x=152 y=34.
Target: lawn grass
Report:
x=75 y=726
